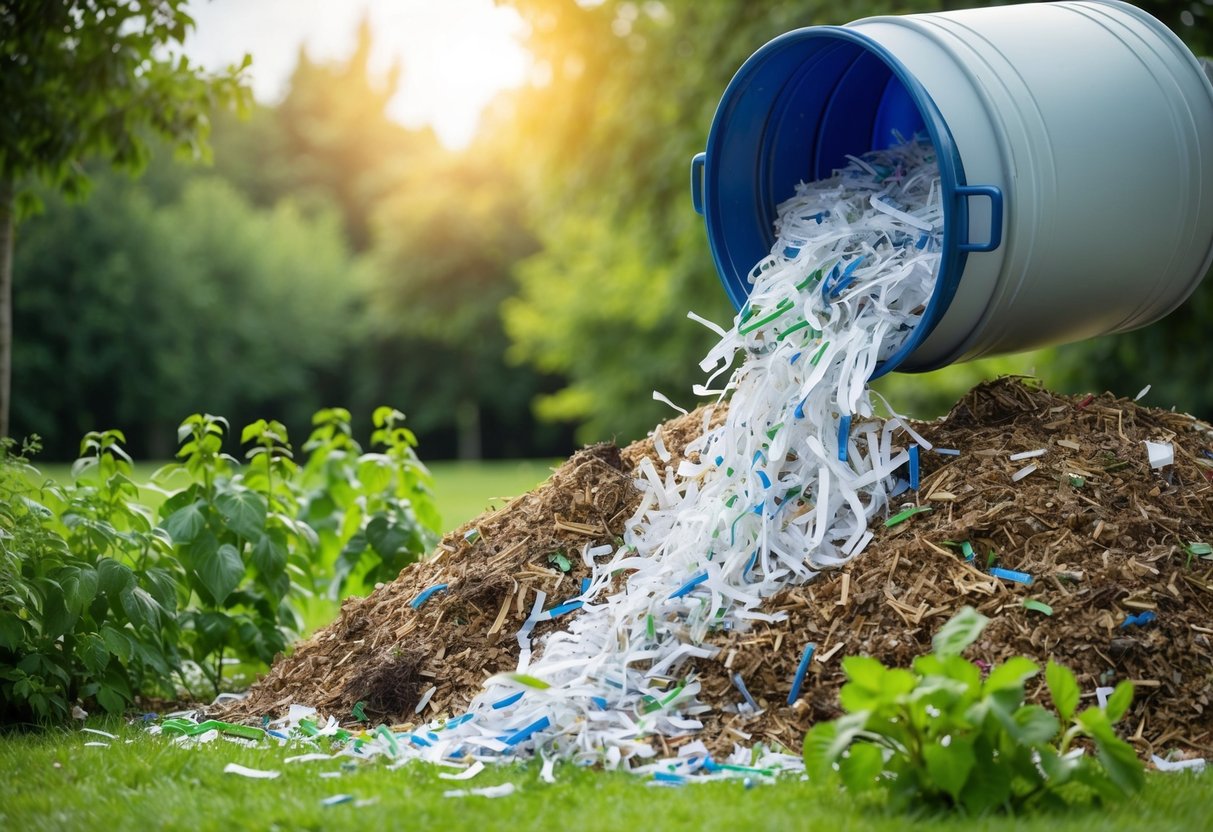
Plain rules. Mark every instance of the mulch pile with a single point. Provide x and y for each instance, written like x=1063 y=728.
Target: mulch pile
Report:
x=1103 y=535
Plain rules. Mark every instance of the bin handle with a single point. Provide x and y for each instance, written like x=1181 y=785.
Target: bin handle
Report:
x=963 y=192
x=697 y=163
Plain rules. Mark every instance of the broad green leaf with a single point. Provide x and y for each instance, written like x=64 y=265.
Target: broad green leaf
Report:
x=141 y=608
x=861 y=765
x=959 y=632
x=269 y=556
x=220 y=571
x=1063 y=687
x=118 y=643
x=989 y=784
x=113 y=577
x=186 y=523
x=110 y=699
x=162 y=586
x=93 y=653
x=212 y=629
x=1036 y=725
x=56 y=619
x=865 y=672
x=1119 y=702
x=825 y=742
x=244 y=512
x=12 y=631
x=79 y=586
x=950 y=765
x=1011 y=674
x=385 y=537
x=1117 y=756
x=1121 y=763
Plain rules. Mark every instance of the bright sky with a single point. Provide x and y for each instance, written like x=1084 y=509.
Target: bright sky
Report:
x=456 y=53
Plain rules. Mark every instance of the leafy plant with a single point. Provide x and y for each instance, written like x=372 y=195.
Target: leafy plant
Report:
x=102 y=599
x=940 y=734
x=234 y=531
x=374 y=511
x=89 y=598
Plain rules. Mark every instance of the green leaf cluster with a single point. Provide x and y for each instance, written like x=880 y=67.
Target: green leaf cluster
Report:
x=940 y=734
x=102 y=599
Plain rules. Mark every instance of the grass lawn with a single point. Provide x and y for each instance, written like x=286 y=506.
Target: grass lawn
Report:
x=52 y=781
x=465 y=489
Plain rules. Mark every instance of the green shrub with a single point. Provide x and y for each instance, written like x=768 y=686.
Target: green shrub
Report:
x=89 y=598
x=941 y=735
x=102 y=600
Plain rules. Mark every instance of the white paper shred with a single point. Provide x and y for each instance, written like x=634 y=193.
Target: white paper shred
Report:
x=1029 y=454
x=1161 y=454
x=99 y=733
x=96 y=745
x=1194 y=765
x=467 y=774
x=425 y=699
x=783 y=488
x=1102 y=694
x=1023 y=472
x=504 y=790
x=1143 y=392
x=309 y=758
x=252 y=773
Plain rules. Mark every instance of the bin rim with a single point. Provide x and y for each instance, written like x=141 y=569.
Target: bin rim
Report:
x=951 y=174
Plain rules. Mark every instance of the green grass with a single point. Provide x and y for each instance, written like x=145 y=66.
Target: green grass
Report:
x=464 y=489
x=51 y=781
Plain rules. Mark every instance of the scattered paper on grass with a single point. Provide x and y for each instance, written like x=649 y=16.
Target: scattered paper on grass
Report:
x=504 y=790
x=308 y=758
x=96 y=745
x=1195 y=765
x=105 y=734
x=467 y=774
x=251 y=773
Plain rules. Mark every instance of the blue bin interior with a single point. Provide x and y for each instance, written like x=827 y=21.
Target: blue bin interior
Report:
x=793 y=113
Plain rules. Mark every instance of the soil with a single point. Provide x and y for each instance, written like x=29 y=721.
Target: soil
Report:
x=1103 y=535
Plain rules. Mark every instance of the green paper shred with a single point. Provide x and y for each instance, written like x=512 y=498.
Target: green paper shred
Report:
x=1037 y=606
x=906 y=514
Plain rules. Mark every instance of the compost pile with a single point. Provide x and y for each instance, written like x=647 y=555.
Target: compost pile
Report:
x=1104 y=537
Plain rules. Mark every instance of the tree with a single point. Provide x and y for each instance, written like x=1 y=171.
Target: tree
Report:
x=627 y=96
x=343 y=144
x=90 y=78
x=133 y=313
x=444 y=248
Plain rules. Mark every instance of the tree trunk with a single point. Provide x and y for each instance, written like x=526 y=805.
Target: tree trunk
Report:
x=7 y=232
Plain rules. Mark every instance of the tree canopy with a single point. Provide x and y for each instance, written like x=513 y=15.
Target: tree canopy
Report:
x=91 y=78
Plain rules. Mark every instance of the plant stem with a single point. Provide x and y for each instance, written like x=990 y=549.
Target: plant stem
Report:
x=8 y=222
x=217 y=681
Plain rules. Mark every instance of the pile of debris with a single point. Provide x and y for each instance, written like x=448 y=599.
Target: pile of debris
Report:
x=1114 y=549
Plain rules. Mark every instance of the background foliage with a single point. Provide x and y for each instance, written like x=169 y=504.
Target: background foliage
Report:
x=512 y=296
